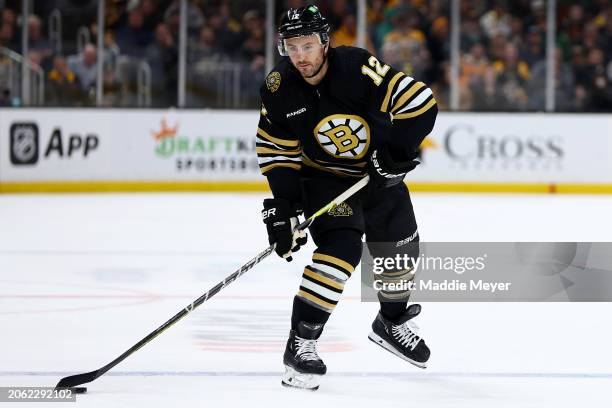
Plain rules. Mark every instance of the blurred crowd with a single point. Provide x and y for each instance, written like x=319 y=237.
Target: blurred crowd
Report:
x=502 y=49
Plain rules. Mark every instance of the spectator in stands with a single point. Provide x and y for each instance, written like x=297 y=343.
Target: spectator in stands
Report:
x=532 y=51
x=496 y=47
x=564 y=85
x=195 y=17
x=346 y=34
x=512 y=76
x=152 y=14
x=591 y=37
x=62 y=85
x=205 y=47
x=471 y=34
x=9 y=20
x=572 y=27
x=497 y=20
x=227 y=31
x=8 y=32
x=134 y=38
x=337 y=10
x=477 y=79
x=162 y=56
x=9 y=17
x=401 y=46
x=254 y=37
x=6 y=36
x=36 y=42
x=84 y=66
x=251 y=79
x=438 y=45
x=517 y=31
x=598 y=85
x=537 y=15
x=374 y=17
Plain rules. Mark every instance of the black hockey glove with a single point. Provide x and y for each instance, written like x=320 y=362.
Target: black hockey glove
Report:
x=384 y=172
x=281 y=220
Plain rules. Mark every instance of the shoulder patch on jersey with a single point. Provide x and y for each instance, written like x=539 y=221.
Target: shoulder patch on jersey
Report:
x=273 y=81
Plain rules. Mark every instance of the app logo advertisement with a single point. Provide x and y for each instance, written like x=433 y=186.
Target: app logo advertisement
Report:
x=24 y=143
x=44 y=145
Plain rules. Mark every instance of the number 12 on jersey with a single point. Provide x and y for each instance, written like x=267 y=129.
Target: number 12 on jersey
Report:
x=377 y=74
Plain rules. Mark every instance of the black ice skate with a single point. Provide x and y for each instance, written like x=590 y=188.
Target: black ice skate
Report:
x=400 y=337
x=303 y=365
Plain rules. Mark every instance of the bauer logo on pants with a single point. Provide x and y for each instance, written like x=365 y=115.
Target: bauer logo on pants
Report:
x=24 y=143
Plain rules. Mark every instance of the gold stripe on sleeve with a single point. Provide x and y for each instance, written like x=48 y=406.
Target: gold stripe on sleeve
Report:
x=269 y=167
x=406 y=95
x=281 y=142
x=384 y=106
x=408 y=115
x=264 y=150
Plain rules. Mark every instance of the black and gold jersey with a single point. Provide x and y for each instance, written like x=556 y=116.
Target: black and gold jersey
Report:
x=333 y=127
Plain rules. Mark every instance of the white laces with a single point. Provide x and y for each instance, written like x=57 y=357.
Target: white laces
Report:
x=406 y=336
x=306 y=349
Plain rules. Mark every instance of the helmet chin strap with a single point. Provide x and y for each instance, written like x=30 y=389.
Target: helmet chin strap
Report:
x=322 y=63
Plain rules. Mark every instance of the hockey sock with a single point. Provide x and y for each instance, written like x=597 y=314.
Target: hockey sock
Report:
x=394 y=298
x=323 y=280
x=303 y=312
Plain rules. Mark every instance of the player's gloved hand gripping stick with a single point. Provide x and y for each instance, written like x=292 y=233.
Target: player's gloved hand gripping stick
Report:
x=386 y=172
x=74 y=380
x=281 y=221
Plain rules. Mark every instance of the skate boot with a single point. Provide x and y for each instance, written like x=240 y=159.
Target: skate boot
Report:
x=303 y=365
x=400 y=337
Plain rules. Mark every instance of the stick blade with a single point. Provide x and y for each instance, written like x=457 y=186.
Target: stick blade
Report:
x=78 y=379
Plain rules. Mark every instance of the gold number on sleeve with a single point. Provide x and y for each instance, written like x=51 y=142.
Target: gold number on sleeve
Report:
x=377 y=74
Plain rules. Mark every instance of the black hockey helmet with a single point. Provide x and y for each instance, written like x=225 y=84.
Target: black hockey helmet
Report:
x=302 y=21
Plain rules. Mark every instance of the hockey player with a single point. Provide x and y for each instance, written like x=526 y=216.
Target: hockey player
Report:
x=328 y=117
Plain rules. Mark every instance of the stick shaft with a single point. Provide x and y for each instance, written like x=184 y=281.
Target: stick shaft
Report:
x=79 y=379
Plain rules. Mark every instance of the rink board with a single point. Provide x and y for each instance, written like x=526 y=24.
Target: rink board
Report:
x=189 y=150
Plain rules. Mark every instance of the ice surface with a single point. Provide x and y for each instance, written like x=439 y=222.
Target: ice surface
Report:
x=84 y=277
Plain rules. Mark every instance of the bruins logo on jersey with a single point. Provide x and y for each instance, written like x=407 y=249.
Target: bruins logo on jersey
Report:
x=341 y=210
x=343 y=136
x=273 y=81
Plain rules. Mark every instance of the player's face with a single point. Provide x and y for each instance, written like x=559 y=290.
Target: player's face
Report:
x=306 y=53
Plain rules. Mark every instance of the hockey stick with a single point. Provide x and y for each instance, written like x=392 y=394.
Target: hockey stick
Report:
x=79 y=379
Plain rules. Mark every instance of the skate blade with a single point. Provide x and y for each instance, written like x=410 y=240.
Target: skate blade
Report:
x=382 y=343
x=295 y=379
